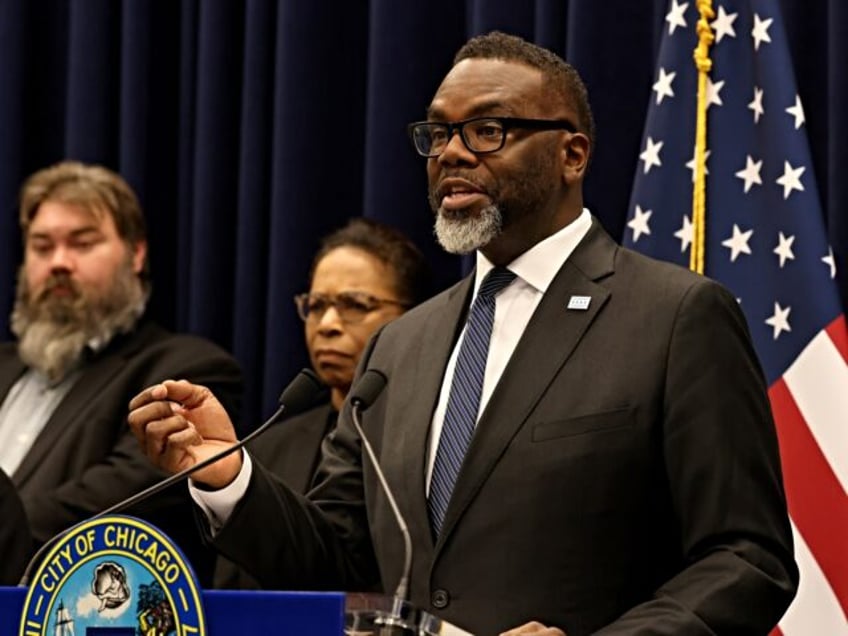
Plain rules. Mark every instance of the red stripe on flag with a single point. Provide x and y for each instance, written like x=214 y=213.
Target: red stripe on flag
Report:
x=776 y=632
x=838 y=332
x=817 y=502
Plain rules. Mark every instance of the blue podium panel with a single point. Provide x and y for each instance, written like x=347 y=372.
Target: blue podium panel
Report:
x=283 y=613
x=11 y=604
x=279 y=613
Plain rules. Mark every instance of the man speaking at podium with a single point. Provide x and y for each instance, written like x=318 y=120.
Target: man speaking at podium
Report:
x=578 y=437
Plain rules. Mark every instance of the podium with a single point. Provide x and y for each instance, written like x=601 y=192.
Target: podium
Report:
x=284 y=613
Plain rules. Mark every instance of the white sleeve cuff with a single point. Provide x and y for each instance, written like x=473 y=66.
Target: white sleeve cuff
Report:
x=218 y=505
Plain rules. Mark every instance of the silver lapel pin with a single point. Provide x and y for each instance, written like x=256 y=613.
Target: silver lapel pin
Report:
x=581 y=303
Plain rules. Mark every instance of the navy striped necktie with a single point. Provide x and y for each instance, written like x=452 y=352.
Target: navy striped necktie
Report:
x=464 y=400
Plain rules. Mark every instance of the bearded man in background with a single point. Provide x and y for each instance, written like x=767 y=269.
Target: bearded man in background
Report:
x=83 y=349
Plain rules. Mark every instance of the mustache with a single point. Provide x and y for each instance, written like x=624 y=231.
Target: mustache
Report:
x=59 y=280
x=465 y=175
x=434 y=195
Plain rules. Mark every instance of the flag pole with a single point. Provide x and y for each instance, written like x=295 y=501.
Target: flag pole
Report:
x=703 y=63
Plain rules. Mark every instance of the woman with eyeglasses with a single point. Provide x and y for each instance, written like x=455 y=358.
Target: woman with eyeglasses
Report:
x=363 y=275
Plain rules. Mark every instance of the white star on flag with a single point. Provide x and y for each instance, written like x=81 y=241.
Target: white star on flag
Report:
x=760 y=31
x=830 y=261
x=675 y=16
x=751 y=172
x=791 y=179
x=757 y=104
x=639 y=223
x=651 y=154
x=784 y=248
x=797 y=111
x=713 y=92
x=738 y=242
x=723 y=24
x=779 y=320
x=685 y=233
x=691 y=164
x=663 y=85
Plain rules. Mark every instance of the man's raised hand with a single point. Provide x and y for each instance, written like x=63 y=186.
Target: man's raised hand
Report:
x=179 y=424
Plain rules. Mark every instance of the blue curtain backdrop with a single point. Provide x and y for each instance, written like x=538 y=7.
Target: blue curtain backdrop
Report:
x=251 y=128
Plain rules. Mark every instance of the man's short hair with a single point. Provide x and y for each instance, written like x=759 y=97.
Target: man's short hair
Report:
x=560 y=77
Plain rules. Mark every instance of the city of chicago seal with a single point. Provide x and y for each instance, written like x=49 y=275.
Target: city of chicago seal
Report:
x=113 y=573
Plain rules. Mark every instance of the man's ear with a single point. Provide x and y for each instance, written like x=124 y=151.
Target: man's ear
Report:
x=139 y=254
x=575 y=157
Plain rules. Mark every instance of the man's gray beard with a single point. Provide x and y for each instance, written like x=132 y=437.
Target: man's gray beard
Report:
x=53 y=333
x=461 y=234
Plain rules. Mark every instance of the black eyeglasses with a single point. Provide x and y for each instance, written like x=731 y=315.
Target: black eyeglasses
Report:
x=480 y=134
x=352 y=307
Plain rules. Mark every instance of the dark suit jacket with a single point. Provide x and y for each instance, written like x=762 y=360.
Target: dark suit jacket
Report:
x=623 y=479
x=86 y=459
x=291 y=451
x=15 y=539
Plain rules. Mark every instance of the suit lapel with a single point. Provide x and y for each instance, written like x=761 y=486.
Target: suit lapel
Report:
x=90 y=384
x=11 y=368
x=437 y=342
x=549 y=339
x=310 y=432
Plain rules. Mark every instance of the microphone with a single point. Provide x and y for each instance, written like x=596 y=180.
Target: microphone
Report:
x=301 y=394
x=367 y=390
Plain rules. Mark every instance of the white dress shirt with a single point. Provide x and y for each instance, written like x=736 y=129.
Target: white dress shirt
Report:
x=24 y=413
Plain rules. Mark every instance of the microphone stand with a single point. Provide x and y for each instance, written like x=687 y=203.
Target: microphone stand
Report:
x=402 y=590
x=402 y=618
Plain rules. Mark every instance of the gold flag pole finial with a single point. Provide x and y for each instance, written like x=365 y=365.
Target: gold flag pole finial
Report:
x=703 y=63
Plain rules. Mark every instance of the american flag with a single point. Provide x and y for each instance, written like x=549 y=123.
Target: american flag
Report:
x=765 y=240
